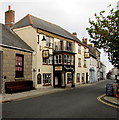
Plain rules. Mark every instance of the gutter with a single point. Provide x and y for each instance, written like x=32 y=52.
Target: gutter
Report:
x=16 y=48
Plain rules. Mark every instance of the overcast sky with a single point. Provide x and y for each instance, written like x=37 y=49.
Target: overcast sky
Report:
x=72 y=15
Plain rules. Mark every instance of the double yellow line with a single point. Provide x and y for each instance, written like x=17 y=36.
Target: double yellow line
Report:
x=109 y=104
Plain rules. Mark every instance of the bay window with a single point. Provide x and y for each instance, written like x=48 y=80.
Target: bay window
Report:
x=58 y=59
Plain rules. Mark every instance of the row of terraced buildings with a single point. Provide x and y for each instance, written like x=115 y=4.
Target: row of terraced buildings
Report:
x=36 y=50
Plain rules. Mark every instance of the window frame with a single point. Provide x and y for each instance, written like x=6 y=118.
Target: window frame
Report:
x=78 y=77
x=49 y=42
x=79 y=62
x=85 y=65
x=19 y=73
x=69 y=46
x=79 y=49
x=58 y=59
x=46 y=79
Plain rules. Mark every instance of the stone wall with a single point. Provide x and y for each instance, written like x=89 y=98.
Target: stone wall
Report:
x=9 y=56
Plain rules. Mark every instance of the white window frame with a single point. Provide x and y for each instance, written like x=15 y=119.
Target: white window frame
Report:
x=47 y=77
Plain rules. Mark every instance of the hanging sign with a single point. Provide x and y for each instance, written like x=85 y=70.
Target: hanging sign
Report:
x=45 y=53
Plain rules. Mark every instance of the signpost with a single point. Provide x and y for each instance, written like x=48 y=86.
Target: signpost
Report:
x=109 y=89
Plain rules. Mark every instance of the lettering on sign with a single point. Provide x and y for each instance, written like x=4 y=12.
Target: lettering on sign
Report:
x=58 y=68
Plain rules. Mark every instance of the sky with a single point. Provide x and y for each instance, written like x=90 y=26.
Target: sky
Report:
x=72 y=15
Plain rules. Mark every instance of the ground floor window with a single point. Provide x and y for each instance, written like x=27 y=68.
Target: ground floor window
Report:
x=46 y=78
x=83 y=77
x=69 y=77
x=78 y=77
x=19 y=65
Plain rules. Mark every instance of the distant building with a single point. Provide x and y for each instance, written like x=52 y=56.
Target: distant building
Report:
x=115 y=73
x=102 y=71
x=97 y=70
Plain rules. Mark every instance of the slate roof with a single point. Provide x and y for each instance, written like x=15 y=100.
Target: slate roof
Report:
x=11 y=39
x=44 y=25
x=92 y=51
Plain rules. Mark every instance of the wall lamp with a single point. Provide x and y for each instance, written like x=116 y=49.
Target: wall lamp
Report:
x=44 y=39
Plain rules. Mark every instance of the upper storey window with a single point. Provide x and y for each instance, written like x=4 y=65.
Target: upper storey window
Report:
x=79 y=49
x=49 y=42
x=63 y=46
x=69 y=46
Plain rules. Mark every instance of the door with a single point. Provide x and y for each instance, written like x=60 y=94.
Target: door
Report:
x=0 y=70
x=58 y=80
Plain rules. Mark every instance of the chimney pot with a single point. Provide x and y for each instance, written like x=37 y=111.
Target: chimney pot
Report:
x=9 y=7
x=84 y=40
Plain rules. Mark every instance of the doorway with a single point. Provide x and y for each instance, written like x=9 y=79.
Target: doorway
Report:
x=86 y=77
x=57 y=80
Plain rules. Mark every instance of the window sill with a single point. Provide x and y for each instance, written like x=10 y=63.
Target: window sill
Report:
x=79 y=66
x=47 y=85
x=22 y=78
x=48 y=64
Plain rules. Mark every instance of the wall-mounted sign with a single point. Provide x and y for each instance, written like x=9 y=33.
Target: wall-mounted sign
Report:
x=45 y=53
x=86 y=55
x=58 y=68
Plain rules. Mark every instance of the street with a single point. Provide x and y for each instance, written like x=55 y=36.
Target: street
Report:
x=75 y=103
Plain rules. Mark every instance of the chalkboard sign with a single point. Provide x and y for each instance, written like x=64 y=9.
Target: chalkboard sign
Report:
x=109 y=90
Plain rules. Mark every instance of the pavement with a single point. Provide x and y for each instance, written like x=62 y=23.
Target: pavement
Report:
x=34 y=93
x=111 y=101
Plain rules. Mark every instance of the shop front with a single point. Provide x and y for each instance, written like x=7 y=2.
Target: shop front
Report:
x=64 y=70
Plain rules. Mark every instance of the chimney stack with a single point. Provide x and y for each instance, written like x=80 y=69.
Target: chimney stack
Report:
x=84 y=40
x=9 y=17
x=91 y=45
x=75 y=34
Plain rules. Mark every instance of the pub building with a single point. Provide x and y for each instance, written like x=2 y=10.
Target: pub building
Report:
x=59 y=56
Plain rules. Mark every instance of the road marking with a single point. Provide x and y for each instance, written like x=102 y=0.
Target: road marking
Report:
x=109 y=104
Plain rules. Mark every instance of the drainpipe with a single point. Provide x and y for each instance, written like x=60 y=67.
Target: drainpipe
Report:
x=33 y=69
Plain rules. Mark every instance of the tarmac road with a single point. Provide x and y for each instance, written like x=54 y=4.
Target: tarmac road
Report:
x=75 y=103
